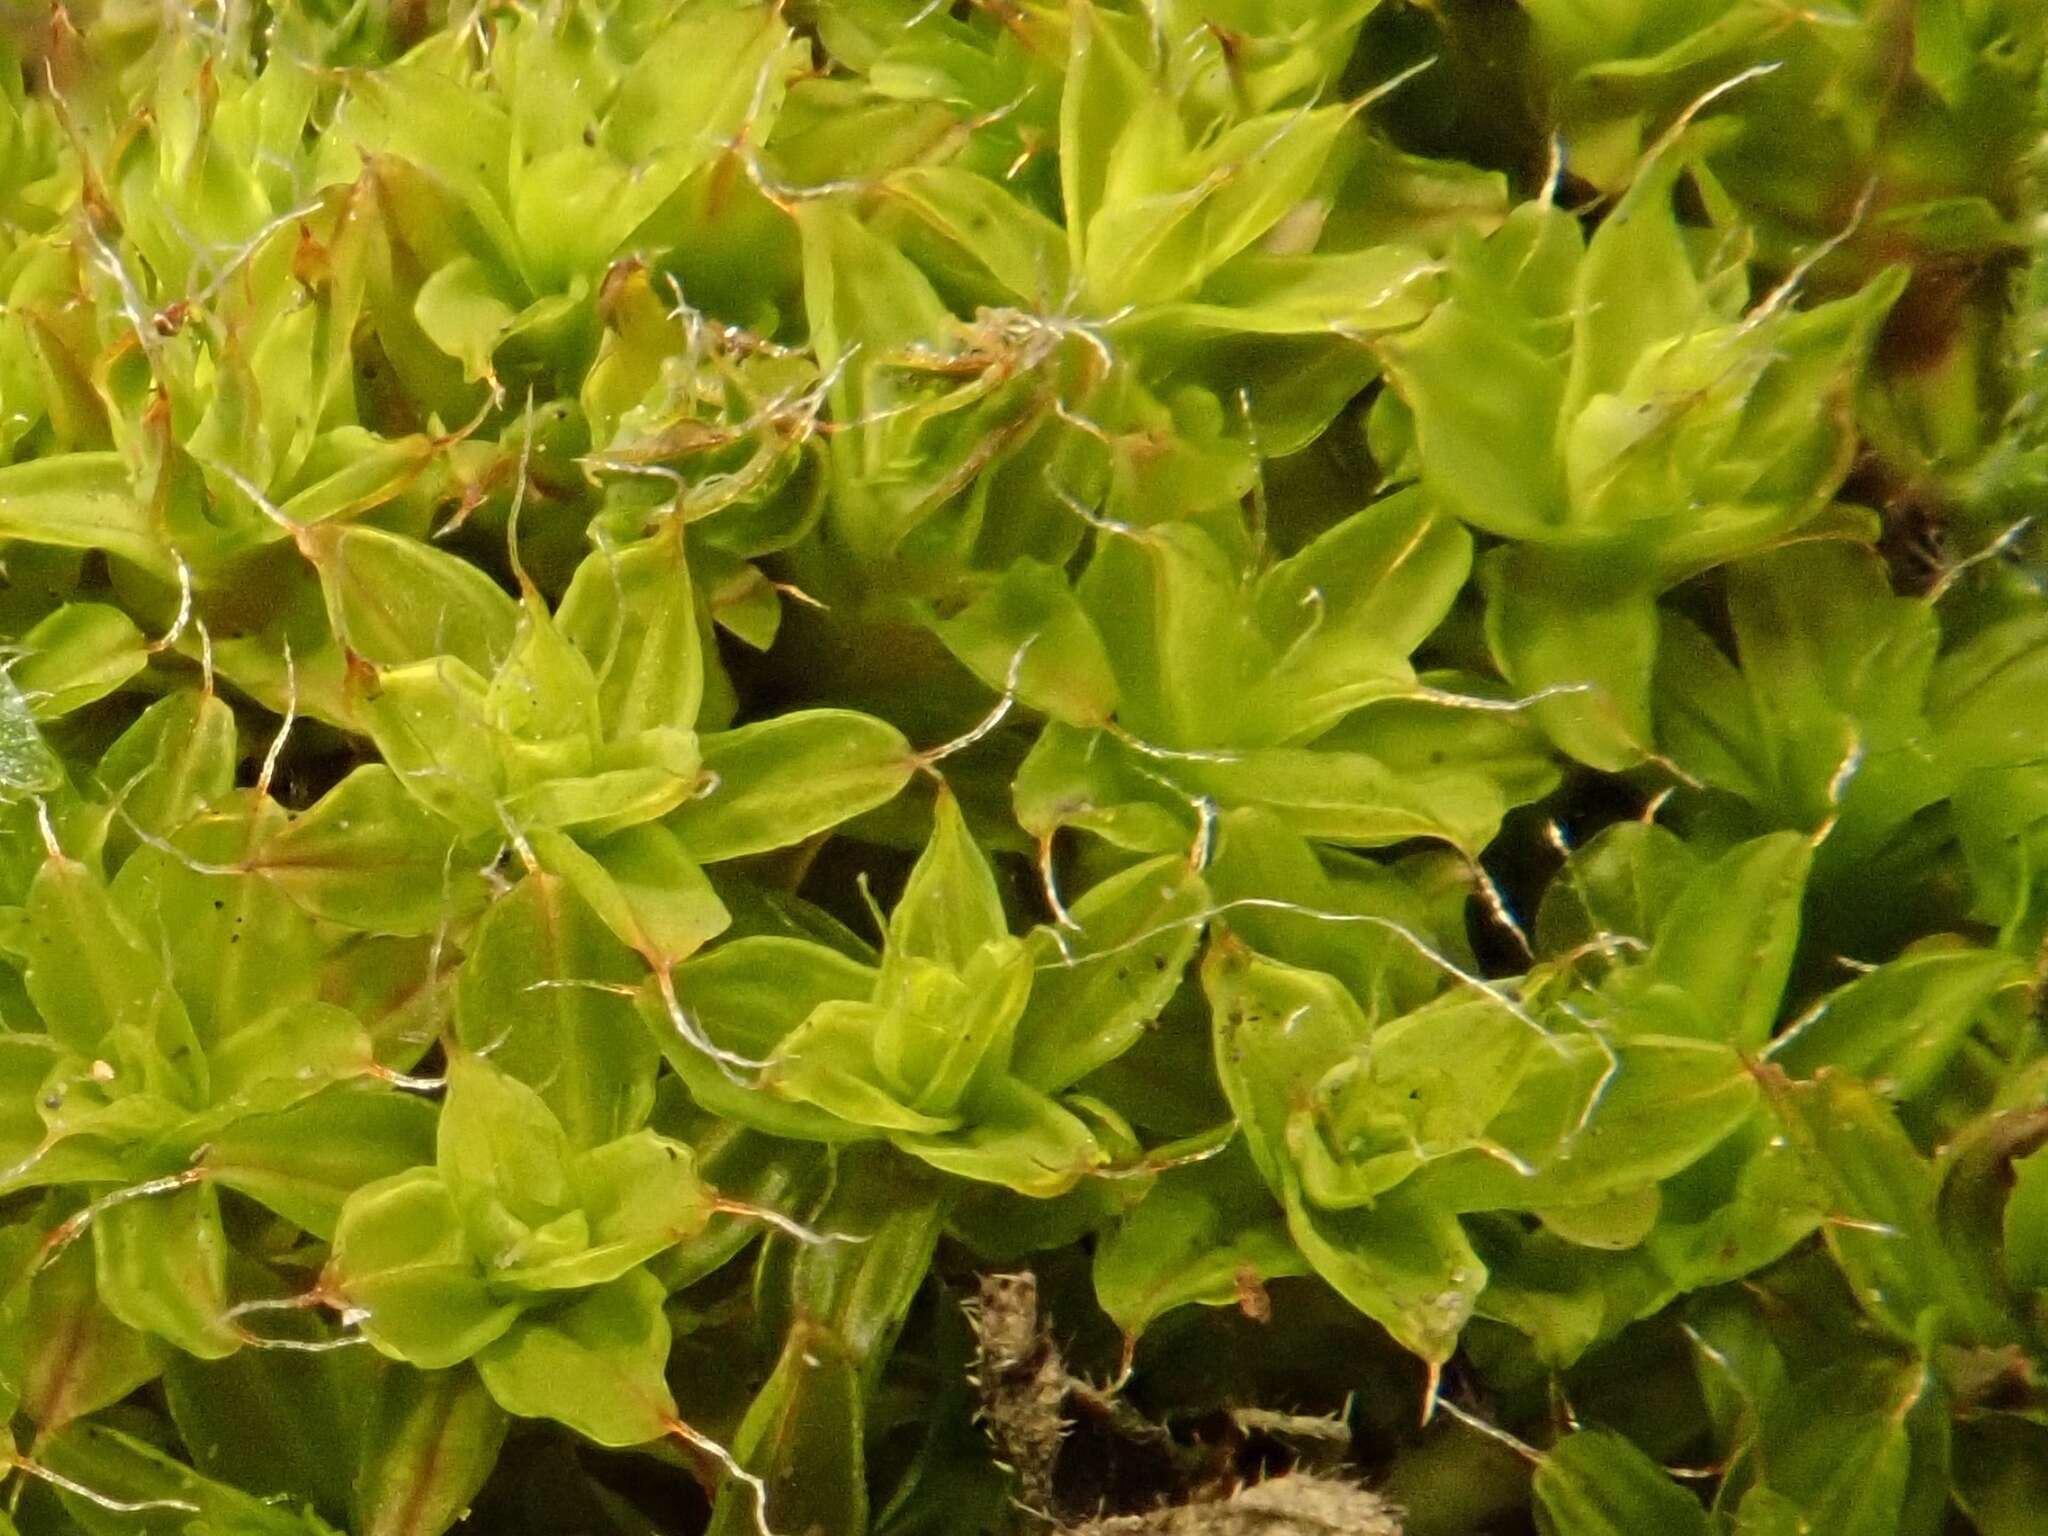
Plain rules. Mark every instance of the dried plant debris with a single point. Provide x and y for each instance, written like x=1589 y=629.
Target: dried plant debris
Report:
x=1055 y=1432
x=1293 y=1504
x=1070 y=1444
x=1021 y=1381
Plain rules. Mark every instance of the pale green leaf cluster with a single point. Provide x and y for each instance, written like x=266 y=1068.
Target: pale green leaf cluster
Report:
x=1366 y=680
